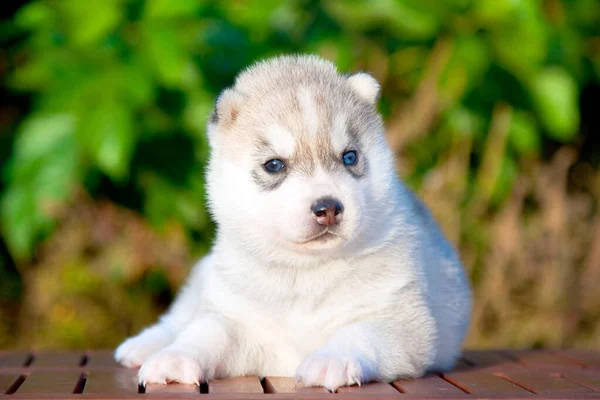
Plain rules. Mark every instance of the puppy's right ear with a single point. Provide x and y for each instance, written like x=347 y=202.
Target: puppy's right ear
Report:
x=365 y=86
x=227 y=107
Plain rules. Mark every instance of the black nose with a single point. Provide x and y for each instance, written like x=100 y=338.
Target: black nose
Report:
x=327 y=211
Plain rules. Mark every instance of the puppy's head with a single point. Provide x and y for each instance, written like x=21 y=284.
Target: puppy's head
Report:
x=299 y=168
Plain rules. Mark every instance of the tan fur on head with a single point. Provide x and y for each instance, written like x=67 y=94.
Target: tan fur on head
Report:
x=287 y=105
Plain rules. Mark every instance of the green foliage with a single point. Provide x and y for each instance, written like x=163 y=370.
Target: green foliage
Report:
x=111 y=79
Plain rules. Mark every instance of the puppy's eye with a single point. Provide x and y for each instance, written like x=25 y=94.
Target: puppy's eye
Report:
x=274 y=166
x=350 y=158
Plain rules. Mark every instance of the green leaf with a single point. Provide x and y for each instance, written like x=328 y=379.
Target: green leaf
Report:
x=462 y=121
x=170 y=8
x=90 y=21
x=197 y=111
x=45 y=158
x=41 y=134
x=21 y=221
x=398 y=17
x=35 y=16
x=524 y=135
x=520 y=44
x=469 y=61
x=40 y=179
x=166 y=54
x=108 y=134
x=33 y=75
x=555 y=95
x=134 y=81
x=493 y=11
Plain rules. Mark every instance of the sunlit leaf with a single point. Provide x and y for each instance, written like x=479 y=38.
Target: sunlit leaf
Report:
x=107 y=132
x=170 y=8
x=555 y=95
x=462 y=121
x=42 y=175
x=90 y=21
x=494 y=11
x=398 y=17
x=166 y=54
x=521 y=44
x=35 y=15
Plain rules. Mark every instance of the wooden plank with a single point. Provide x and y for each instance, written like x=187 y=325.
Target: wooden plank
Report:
x=587 y=358
x=371 y=389
x=171 y=388
x=537 y=359
x=545 y=383
x=587 y=378
x=112 y=383
x=567 y=374
x=45 y=382
x=7 y=379
x=277 y=384
x=428 y=386
x=488 y=359
x=484 y=383
x=101 y=358
x=14 y=359
x=462 y=365
x=243 y=384
x=47 y=359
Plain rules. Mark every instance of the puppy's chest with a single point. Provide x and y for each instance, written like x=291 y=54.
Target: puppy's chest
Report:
x=301 y=327
x=299 y=317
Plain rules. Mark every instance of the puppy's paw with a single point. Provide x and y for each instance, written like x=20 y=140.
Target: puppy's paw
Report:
x=330 y=371
x=134 y=351
x=172 y=365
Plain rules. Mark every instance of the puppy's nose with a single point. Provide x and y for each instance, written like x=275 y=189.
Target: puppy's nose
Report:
x=327 y=211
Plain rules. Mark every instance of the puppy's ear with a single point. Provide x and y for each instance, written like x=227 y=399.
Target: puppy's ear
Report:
x=227 y=107
x=365 y=86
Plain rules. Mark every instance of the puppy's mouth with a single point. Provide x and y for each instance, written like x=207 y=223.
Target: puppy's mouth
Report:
x=322 y=237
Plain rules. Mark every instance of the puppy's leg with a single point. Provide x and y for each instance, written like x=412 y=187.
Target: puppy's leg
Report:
x=134 y=351
x=369 y=351
x=199 y=353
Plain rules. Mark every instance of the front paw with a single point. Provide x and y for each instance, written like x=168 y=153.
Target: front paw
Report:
x=330 y=371
x=134 y=351
x=172 y=365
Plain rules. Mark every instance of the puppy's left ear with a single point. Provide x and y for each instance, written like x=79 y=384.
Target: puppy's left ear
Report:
x=365 y=86
x=225 y=112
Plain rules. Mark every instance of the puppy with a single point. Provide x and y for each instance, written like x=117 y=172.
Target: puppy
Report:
x=325 y=266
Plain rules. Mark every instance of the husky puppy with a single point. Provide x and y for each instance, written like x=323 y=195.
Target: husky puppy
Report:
x=325 y=266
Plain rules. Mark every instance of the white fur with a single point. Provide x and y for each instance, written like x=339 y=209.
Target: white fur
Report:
x=309 y=110
x=366 y=86
x=339 y=137
x=282 y=141
x=382 y=298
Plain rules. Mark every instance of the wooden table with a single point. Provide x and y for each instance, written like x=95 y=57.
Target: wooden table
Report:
x=567 y=374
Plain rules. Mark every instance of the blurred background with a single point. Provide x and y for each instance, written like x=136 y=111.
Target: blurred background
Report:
x=492 y=107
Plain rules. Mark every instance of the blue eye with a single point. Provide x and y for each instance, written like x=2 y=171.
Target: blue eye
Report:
x=274 y=166
x=350 y=158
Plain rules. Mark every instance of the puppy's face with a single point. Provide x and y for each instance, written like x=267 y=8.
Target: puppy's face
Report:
x=302 y=170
